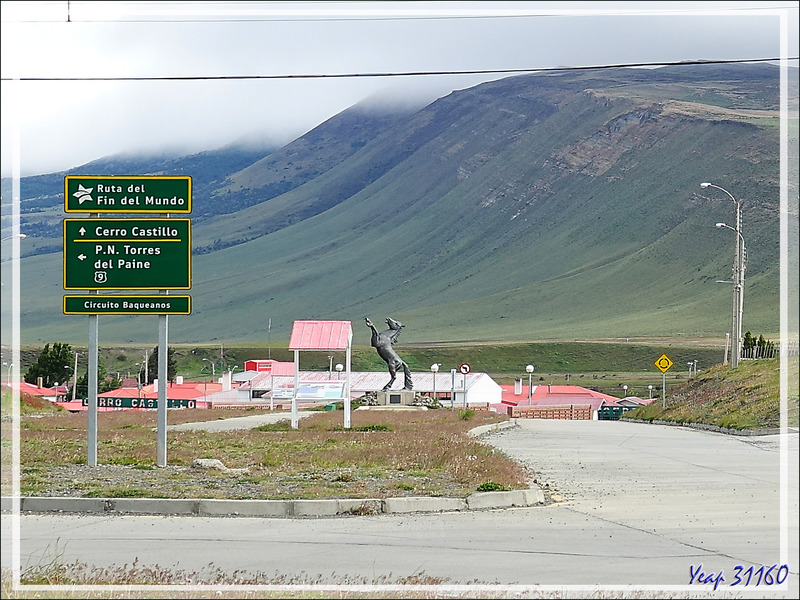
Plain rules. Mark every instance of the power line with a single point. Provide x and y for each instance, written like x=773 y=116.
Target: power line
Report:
x=403 y=73
x=246 y=12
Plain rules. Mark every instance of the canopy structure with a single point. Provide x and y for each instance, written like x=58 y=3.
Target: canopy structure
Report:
x=321 y=335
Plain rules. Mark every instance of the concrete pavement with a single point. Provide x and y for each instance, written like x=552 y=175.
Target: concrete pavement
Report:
x=644 y=507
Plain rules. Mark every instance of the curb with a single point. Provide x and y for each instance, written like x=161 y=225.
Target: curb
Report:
x=211 y=507
x=484 y=429
x=714 y=428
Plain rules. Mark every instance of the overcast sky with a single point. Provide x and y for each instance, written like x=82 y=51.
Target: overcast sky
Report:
x=56 y=125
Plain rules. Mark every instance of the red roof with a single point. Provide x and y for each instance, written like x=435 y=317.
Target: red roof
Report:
x=175 y=391
x=32 y=389
x=320 y=335
x=549 y=395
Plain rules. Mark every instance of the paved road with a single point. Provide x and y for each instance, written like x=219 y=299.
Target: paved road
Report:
x=643 y=506
x=248 y=422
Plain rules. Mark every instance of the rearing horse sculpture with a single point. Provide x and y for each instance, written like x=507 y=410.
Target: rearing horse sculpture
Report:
x=382 y=342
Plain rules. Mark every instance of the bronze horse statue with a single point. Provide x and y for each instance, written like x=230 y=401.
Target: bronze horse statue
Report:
x=382 y=342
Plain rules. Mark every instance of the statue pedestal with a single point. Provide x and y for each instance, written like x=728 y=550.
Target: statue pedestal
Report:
x=396 y=398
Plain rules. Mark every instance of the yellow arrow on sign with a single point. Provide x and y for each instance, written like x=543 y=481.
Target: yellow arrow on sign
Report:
x=663 y=363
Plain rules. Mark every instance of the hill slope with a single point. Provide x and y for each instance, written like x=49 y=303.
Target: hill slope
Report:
x=542 y=206
x=747 y=397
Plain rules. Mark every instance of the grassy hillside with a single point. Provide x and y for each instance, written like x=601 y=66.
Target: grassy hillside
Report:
x=747 y=397
x=529 y=208
x=604 y=366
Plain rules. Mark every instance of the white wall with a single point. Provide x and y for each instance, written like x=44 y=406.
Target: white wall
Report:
x=484 y=390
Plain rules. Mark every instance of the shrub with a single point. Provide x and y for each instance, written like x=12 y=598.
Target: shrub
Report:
x=491 y=486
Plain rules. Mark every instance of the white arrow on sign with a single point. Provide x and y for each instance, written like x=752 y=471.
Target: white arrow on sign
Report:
x=464 y=369
x=81 y=257
x=82 y=230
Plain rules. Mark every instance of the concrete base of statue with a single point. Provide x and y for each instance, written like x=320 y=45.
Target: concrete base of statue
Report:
x=396 y=398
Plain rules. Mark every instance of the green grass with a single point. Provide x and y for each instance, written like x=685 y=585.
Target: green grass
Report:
x=491 y=240
x=318 y=460
x=504 y=361
x=747 y=397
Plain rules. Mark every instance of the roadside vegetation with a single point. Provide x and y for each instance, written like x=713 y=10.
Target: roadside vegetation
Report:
x=383 y=454
x=744 y=398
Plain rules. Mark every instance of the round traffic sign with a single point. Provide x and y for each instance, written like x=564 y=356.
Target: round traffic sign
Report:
x=464 y=368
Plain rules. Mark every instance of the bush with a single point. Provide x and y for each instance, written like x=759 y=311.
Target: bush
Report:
x=491 y=486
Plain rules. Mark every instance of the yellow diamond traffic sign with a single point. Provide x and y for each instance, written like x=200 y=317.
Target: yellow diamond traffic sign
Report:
x=664 y=363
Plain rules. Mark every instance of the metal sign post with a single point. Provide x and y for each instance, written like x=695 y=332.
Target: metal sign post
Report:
x=162 y=391
x=91 y=458
x=664 y=364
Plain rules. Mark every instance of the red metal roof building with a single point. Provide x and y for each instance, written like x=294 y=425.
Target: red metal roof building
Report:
x=561 y=396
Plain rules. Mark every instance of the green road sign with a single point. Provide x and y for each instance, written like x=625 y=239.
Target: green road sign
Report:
x=133 y=254
x=127 y=305
x=112 y=194
x=103 y=402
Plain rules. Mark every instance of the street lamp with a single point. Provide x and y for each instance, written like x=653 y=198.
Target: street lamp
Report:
x=21 y=236
x=339 y=368
x=529 y=369
x=213 y=369
x=434 y=370
x=738 y=278
x=8 y=376
x=650 y=390
x=625 y=391
x=738 y=287
x=139 y=378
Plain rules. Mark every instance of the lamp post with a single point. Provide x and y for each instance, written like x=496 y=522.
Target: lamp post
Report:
x=529 y=369
x=75 y=377
x=650 y=391
x=139 y=379
x=625 y=391
x=213 y=368
x=8 y=376
x=738 y=283
x=434 y=370
x=20 y=236
x=738 y=278
x=339 y=368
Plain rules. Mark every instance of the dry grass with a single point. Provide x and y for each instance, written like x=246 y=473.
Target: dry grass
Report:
x=383 y=454
x=747 y=397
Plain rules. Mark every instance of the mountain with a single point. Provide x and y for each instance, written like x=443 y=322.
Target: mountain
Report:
x=563 y=205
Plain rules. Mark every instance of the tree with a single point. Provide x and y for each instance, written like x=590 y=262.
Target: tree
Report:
x=104 y=383
x=54 y=365
x=759 y=347
x=152 y=365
